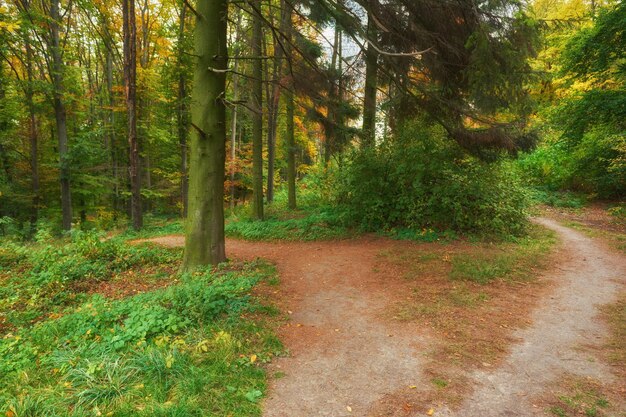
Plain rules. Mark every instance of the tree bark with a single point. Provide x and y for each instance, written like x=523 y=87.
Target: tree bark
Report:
x=130 y=79
x=290 y=108
x=333 y=97
x=183 y=125
x=371 y=86
x=32 y=133
x=60 y=114
x=234 y=116
x=257 y=117
x=273 y=104
x=204 y=243
x=111 y=129
x=4 y=125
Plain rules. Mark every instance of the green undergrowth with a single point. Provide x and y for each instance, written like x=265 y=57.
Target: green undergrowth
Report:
x=512 y=261
x=156 y=226
x=423 y=235
x=280 y=224
x=39 y=279
x=191 y=348
x=561 y=199
x=315 y=219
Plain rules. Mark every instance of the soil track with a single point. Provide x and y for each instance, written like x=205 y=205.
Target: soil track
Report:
x=347 y=355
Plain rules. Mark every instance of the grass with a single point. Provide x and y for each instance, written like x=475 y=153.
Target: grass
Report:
x=615 y=316
x=515 y=261
x=578 y=396
x=281 y=224
x=472 y=295
x=561 y=199
x=192 y=347
x=615 y=239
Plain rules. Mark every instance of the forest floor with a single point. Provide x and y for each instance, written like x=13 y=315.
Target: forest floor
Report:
x=378 y=327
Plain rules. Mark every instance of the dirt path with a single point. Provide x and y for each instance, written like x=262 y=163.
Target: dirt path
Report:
x=347 y=356
x=563 y=329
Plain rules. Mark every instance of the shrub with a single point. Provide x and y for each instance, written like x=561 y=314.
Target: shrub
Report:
x=421 y=179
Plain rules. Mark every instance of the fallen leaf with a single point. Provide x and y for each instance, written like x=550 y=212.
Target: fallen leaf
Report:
x=413 y=386
x=430 y=412
x=252 y=358
x=349 y=408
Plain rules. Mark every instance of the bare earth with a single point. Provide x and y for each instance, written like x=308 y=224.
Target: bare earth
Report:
x=347 y=356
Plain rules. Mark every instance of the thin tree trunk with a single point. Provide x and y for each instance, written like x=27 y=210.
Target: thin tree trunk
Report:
x=269 y=104
x=273 y=102
x=130 y=78
x=60 y=114
x=331 y=130
x=4 y=124
x=204 y=242
x=257 y=117
x=287 y=28
x=183 y=128
x=234 y=116
x=371 y=85
x=111 y=129
x=32 y=133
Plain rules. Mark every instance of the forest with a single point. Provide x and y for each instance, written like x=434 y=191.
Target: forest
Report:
x=156 y=154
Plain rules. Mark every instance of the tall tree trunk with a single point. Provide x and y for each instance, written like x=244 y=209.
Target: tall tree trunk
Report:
x=32 y=133
x=234 y=116
x=130 y=79
x=273 y=103
x=204 y=243
x=183 y=125
x=257 y=117
x=111 y=130
x=331 y=130
x=271 y=119
x=287 y=28
x=60 y=114
x=371 y=86
x=4 y=125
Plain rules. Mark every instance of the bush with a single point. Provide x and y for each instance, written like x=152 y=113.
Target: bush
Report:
x=421 y=179
x=594 y=165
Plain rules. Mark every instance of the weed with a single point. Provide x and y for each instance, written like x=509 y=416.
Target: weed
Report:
x=580 y=396
x=168 y=352
x=439 y=383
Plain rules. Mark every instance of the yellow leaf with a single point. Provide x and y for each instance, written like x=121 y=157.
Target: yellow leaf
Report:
x=349 y=408
x=252 y=358
x=430 y=412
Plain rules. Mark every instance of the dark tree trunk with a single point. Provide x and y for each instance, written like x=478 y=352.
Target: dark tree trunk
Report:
x=371 y=86
x=130 y=80
x=182 y=119
x=257 y=117
x=287 y=28
x=234 y=117
x=111 y=130
x=32 y=133
x=60 y=114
